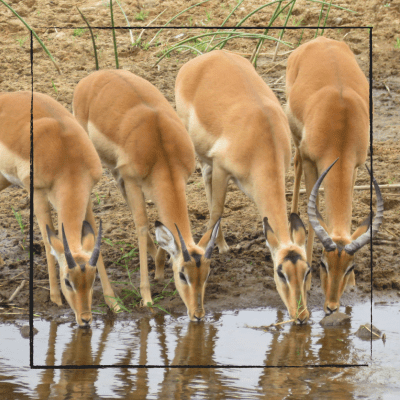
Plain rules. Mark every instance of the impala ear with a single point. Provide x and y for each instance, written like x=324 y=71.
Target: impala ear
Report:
x=87 y=237
x=166 y=240
x=56 y=245
x=363 y=227
x=351 y=281
x=272 y=241
x=297 y=230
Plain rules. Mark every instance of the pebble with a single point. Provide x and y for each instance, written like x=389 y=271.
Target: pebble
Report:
x=364 y=332
x=335 y=319
x=25 y=331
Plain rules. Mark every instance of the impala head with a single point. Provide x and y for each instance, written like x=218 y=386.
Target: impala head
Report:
x=78 y=272
x=191 y=268
x=337 y=261
x=292 y=273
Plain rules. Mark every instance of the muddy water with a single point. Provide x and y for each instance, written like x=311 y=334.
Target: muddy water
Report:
x=223 y=340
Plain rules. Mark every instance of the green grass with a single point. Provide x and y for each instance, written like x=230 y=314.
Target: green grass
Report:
x=142 y=15
x=79 y=32
x=21 y=40
x=22 y=227
x=397 y=44
x=54 y=86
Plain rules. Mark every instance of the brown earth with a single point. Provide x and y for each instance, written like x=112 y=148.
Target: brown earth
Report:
x=244 y=276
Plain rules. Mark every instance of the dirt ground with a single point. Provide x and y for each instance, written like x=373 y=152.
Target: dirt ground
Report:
x=243 y=277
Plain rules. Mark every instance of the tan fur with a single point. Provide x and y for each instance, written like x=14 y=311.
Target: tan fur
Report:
x=240 y=132
x=66 y=167
x=328 y=111
x=140 y=138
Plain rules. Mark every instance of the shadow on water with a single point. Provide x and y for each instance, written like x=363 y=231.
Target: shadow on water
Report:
x=223 y=339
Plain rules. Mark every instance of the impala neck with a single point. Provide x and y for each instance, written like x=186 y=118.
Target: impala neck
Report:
x=338 y=201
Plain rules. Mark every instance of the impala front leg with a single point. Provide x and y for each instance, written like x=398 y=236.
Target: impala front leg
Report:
x=137 y=206
x=108 y=291
x=219 y=186
x=298 y=170
x=43 y=215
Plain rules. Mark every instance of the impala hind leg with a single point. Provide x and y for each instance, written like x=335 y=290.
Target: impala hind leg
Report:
x=4 y=183
x=105 y=283
x=43 y=215
x=206 y=171
x=220 y=181
x=137 y=205
x=311 y=176
x=298 y=170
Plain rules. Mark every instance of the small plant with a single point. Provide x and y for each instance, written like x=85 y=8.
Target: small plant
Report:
x=79 y=32
x=142 y=15
x=190 y=19
x=397 y=44
x=21 y=40
x=54 y=87
x=18 y=217
x=391 y=180
x=208 y=15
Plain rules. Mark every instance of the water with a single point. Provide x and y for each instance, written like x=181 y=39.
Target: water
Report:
x=222 y=340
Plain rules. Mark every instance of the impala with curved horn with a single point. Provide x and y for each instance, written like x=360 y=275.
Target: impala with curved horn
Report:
x=328 y=110
x=66 y=167
x=140 y=138
x=240 y=132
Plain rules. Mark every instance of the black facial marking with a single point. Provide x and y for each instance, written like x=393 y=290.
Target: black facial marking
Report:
x=280 y=273
x=292 y=256
x=197 y=258
x=82 y=267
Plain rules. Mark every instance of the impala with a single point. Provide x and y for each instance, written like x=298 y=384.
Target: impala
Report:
x=66 y=167
x=140 y=138
x=328 y=113
x=240 y=132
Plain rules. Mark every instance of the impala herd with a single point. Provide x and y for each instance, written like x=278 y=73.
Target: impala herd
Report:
x=233 y=122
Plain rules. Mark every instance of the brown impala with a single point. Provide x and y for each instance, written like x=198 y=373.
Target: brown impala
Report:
x=240 y=132
x=328 y=112
x=66 y=167
x=141 y=139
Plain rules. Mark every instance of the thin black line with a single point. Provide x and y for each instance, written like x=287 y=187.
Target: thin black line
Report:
x=204 y=27
x=372 y=171
x=31 y=222
x=197 y=366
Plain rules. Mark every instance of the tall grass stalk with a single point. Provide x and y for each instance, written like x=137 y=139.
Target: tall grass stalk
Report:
x=35 y=35
x=93 y=41
x=283 y=30
x=127 y=21
x=113 y=32
x=334 y=5
x=326 y=16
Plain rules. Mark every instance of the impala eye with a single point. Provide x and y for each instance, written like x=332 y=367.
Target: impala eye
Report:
x=68 y=284
x=182 y=276
x=323 y=266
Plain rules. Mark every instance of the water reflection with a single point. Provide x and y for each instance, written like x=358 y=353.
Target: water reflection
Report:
x=221 y=340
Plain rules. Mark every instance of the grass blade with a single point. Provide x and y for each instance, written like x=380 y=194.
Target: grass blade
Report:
x=93 y=41
x=326 y=16
x=114 y=40
x=127 y=21
x=334 y=5
x=34 y=34
x=176 y=16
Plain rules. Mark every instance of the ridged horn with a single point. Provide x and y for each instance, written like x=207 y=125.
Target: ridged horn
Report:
x=68 y=255
x=186 y=255
x=211 y=243
x=321 y=233
x=96 y=251
x=362 y=240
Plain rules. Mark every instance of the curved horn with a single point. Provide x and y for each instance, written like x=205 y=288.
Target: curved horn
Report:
x=96 y=251
x=186 y=255
x=211 y=243
x=362 y=240
x=68 y=255
x=323 y=236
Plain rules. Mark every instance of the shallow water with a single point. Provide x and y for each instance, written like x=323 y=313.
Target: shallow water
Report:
x=223 y=340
